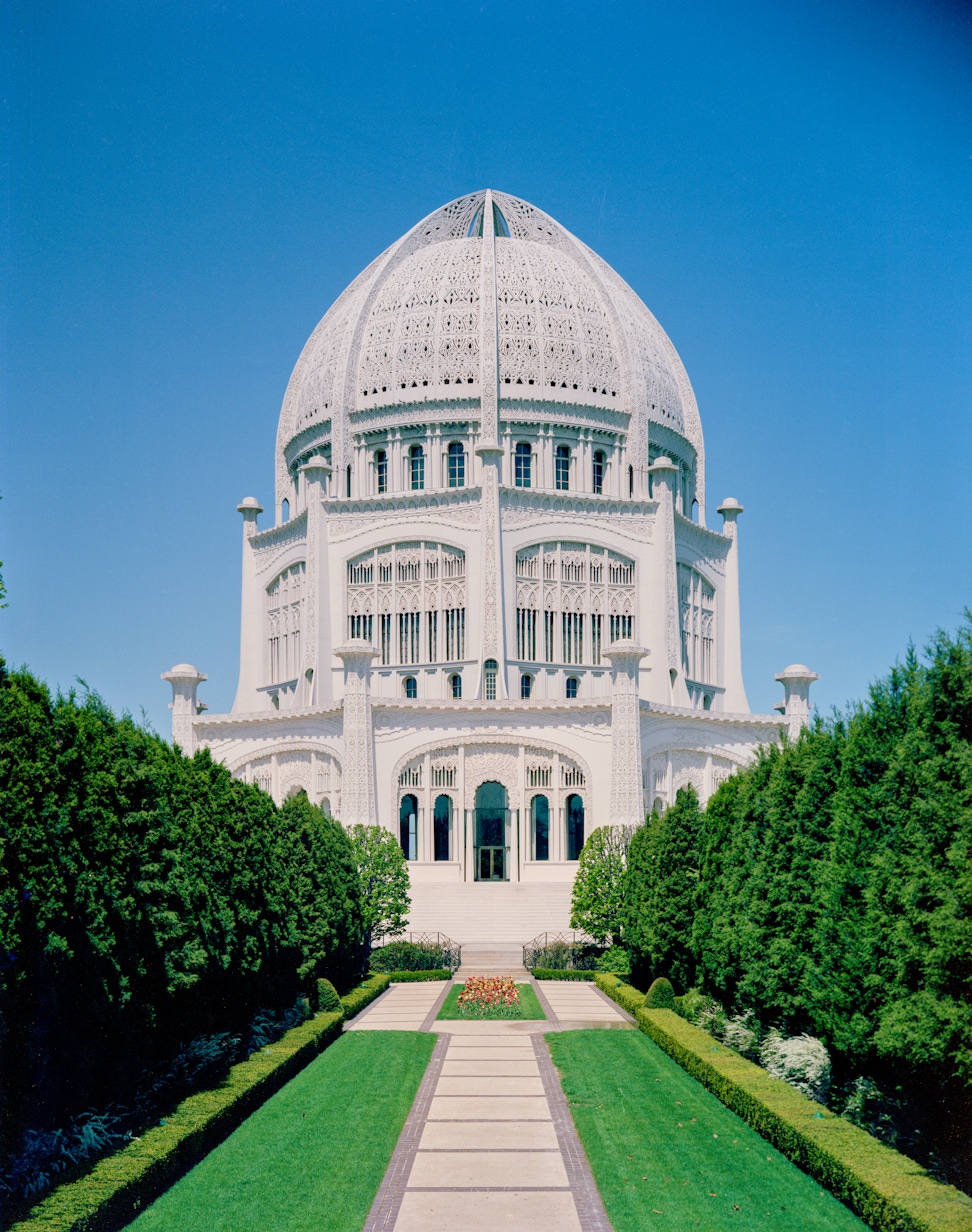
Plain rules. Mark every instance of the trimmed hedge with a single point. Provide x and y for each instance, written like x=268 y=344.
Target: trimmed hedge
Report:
x=327 y=997
x=628 y=997
x=365 y=993
x=414 y=977
x=885 y=1188
x=549 y=973
x=660 y=995
x=119 y=1186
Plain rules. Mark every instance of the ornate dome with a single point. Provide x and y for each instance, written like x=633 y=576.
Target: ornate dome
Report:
x=410 y=330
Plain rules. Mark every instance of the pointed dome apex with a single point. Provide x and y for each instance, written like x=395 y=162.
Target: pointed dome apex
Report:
x=564 y=329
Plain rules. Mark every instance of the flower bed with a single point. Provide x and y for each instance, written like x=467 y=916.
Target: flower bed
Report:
x=486 y=996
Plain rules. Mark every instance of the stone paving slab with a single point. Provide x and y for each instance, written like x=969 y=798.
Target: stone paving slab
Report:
x=504 y=1067
x=489 y=1136
x=488 y=1108
x=489 y=1085
x=488 y=1169
x=447 y=1211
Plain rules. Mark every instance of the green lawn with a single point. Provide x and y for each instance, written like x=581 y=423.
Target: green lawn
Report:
x=312 y=1157
x=529 y=1005
x=666 y=1154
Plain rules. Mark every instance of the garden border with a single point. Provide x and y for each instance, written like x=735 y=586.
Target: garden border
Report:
x=885 y=1188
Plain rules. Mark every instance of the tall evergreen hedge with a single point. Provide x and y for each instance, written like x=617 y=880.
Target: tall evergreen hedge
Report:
x=833 y=886
x=146 y=898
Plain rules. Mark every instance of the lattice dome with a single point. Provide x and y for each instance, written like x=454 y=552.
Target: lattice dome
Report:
x=409 y=330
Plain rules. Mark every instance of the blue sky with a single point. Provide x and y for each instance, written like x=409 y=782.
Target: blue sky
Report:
x=190 y=185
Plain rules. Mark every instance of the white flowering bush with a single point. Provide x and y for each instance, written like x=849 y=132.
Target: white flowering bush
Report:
x=802 y=1061
x=741 y=1032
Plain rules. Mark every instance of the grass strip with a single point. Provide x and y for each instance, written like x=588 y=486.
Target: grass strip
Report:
x=530 y=1007
x=888 y=1190
x=121 y=1184
x=312 y=1157
x=666 y=1154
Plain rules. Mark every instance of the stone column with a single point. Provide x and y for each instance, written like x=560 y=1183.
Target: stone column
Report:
x=796 y=681
x=251 y=616
x=358 y=799
x=664 y=474
x=185 y=680
x=734 y=700
x=627 y=805
x=314 y=687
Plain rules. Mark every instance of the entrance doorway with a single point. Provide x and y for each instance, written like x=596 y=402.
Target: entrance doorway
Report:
x=491 y=833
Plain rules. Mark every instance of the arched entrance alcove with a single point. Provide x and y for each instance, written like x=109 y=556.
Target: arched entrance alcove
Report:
x=408 y=826
x=575 y=827
x=492 y=832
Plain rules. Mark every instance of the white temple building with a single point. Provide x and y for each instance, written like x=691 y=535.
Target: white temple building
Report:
x=488 y=614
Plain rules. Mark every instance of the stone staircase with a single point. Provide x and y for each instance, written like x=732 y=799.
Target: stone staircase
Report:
x=492 y=960
x=491 y=916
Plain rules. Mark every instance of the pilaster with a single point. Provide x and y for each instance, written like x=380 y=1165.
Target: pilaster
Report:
x=734 y=700
x=315 y=683
x=251 y=615
x=627 y=805
x=663 y=474
x=358 y=798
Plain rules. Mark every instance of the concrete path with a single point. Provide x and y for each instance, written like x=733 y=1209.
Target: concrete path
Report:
x=489 y=1145
x=576 y=1004
x=404 y=1007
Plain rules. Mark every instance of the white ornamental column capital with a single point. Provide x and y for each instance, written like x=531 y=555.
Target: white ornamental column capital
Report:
x=795 y=706
x=185 y=680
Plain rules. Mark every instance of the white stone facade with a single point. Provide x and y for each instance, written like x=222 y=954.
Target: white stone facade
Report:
x=488 y=566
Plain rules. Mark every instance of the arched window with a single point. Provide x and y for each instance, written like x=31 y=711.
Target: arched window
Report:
x=347 y=475
x=526 y=685
x=490 y=672
x=411 y=686
x=540 y=827
x=522 y=465
x=285 y=510
x=325 y=806
x=562 y=474
x=457 y=466
x=408 y=826
x=597 y=476
x=572 y=686
x=381 y=471
x=441 y=825
x=631 y=481
x=575 y=827
x=492 y=823
x=455 y=683
x=416 y=468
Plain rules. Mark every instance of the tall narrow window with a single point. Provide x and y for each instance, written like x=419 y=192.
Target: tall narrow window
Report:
x=408 y=826
x=621 y=628
x=381 y=471
x=490 y=673
x=596 y=621
x=562 y=476
x=597 y=477
x=573 y=637
x=522 y=466
x=548 y=636
x=526 y=634
x=455 y=634
x=441 y=825
x=631 y=481
x=526 y=685
x=408 y=637
x=416 y=468
x=575 y=827
x=347 y=482
x=411 y=687
x=540 y=824
x=433 y=631
x=456 y=685
x=384 y=625
x=572 y=686
x=360 y=626
x=457 y=466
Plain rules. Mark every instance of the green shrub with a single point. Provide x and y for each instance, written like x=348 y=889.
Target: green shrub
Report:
x=548 y=973
x=660 y=995
x=409 y=956
x=356 y=1000
x=889 y=1191
x=119 y=1186
x=629 y=998
x=615 y=960
x=327 y=997
x=415 y=977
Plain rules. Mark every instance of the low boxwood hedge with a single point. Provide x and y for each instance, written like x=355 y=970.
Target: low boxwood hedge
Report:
x=119 y=1186
x=887 y=1189
x=626 y=995
x=548 y=973
x=412 y=977
x=355 y=1001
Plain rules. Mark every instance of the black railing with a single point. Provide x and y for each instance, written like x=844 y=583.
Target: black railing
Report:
x=562 y=952
x=435 y=950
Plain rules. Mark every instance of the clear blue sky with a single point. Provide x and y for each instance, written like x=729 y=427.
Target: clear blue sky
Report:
x=787 y=186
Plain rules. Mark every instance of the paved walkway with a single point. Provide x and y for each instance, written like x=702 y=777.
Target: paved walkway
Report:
x=404 y=1007
x=489 y=1144
x=576 y=1004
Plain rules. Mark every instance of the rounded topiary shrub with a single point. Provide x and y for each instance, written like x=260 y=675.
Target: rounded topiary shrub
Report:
x=327 y=997
x=661 y=995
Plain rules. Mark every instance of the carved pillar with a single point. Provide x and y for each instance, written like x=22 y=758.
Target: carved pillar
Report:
x=185 y=680
x=796 y=681
x=358 y=800
x=663 y=478
x=251 y=616
x=315 y=683
x=734 y=699
x=627 y=800
x=490 y=453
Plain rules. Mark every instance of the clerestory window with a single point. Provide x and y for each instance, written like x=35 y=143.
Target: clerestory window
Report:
x=522 y=466
x=562 y=475
x=381 y=471
x=416 y=468
x=457 y=466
